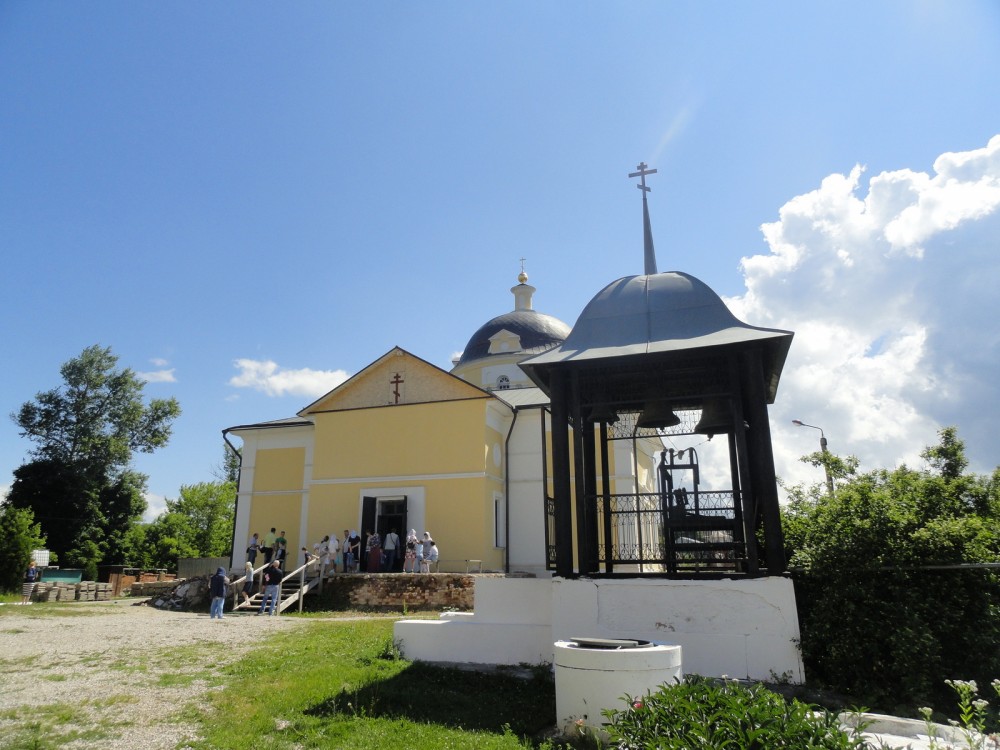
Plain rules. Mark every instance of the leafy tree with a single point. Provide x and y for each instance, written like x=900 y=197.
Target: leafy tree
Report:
x=79 y=483
x=209 y=508
x=21 y=535
x=168 y=538
x=135 y=547
x=886 y=613
x=198 y=524
x=229 y=469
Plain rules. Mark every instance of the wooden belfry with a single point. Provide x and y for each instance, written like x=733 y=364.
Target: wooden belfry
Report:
x=652 y=355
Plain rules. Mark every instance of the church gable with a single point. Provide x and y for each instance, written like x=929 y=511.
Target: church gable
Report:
x=395 y=378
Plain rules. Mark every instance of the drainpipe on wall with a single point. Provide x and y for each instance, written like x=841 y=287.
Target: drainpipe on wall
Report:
x=506 y=494
x=236 y=502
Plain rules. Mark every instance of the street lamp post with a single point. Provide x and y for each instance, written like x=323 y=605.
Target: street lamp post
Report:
x=826 y=453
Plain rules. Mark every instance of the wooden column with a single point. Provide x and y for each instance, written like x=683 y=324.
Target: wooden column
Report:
x=763 y=482
x=561 y=489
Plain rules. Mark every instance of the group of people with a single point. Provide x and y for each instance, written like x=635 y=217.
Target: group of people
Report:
x=419 y=554
x=374 y=554
x=333 y=554
x=270 y=582
x=273 y=547
x=351 y=554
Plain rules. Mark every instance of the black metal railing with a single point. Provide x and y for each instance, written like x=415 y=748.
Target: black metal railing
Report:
x=677 y=533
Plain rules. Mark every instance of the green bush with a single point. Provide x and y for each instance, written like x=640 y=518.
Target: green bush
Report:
x=885 y=613
x=720 y=714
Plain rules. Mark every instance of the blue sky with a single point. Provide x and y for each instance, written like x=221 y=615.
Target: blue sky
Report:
x=249 y=202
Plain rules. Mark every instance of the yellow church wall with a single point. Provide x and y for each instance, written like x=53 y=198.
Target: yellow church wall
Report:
x=454 y=510
x=456 y=515
x=332 y=508
x=409 y=439
x=282 y=511
x=277 y=469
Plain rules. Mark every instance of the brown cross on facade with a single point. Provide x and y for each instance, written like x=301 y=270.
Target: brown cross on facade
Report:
x=396 y=382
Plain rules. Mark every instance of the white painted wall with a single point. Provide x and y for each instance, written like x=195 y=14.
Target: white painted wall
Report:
x=526 y=522
x=746 y=628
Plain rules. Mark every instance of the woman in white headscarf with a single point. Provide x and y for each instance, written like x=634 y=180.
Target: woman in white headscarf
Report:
x=410 y=552
x=427 y=544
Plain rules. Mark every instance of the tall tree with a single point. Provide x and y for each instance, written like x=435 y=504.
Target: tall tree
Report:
x=197 y=524
x=21 y=535
x=208 y=506
x=228 y=469
x=79 y=483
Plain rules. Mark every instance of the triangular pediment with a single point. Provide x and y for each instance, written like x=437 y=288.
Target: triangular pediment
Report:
x=395 y=379
x=504 y=341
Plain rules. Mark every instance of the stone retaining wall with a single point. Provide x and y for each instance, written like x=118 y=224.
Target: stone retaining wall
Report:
x=152 y=588
x=412 y=590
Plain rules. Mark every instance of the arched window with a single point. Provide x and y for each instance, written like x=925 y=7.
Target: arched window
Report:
x=503 y=383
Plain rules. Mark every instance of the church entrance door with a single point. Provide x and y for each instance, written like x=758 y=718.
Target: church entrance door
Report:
x=385 y=515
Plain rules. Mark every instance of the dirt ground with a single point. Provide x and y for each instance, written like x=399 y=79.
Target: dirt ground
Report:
x=112 y=674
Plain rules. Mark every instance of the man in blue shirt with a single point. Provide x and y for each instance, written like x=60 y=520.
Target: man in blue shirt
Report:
x=217 y=589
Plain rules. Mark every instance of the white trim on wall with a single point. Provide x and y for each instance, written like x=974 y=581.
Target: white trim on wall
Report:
x=416 y=504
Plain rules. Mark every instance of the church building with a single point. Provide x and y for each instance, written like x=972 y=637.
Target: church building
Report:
x=403 y=444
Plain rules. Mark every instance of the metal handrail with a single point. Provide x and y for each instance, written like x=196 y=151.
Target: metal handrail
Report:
x=303 y=586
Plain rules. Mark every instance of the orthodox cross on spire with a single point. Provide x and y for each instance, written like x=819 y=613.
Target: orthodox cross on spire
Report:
x=647 y=231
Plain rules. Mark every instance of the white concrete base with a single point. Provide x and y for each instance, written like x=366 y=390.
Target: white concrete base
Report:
x=592 y=680
x=745 y=628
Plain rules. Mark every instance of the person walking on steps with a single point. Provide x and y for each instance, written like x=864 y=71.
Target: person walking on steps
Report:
x=270 y=579
x=248 y=582
x=267 y=547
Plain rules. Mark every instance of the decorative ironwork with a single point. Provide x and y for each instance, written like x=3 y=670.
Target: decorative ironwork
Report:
x=625 y=428
x=661 y=533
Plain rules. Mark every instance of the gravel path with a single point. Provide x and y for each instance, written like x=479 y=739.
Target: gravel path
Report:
x=112 y=674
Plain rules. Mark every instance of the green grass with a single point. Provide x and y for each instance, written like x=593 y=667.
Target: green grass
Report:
x=341 y=684
x=52 y=726
x=55 y=609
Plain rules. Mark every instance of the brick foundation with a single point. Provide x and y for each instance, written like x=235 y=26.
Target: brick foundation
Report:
x=414 y=590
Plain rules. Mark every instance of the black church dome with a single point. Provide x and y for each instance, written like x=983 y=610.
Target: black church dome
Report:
x=537 y=332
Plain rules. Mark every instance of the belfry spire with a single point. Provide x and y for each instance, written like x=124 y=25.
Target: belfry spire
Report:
x=647 y=230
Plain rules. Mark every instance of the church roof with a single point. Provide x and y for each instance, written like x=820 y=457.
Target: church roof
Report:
x=535 y=331
x=287 y=422
x=522 y=398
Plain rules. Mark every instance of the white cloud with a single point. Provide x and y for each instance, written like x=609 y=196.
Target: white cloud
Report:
x=159 y=362
x=155 y=505
x=893 y=299
x=267 y=377
x=159 y=376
